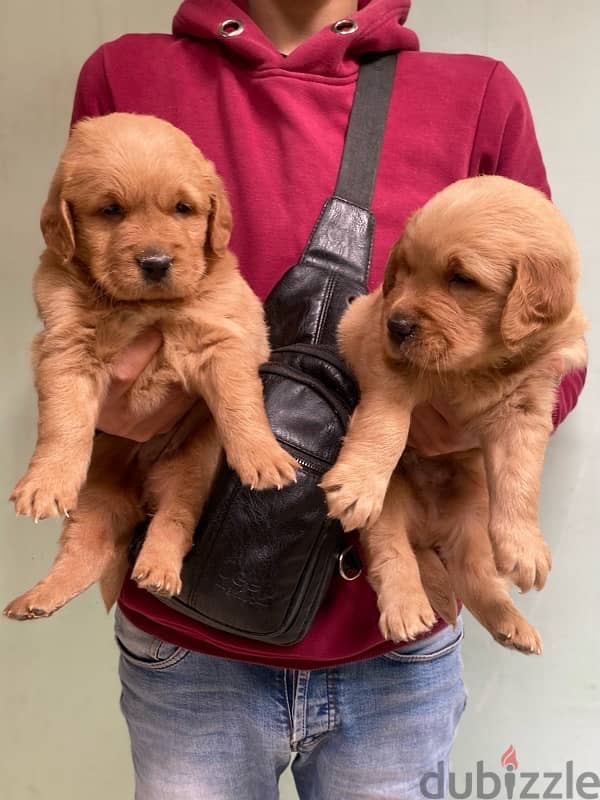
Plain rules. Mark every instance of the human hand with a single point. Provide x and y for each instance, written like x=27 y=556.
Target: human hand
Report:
x=434 y=431
x=116 y=416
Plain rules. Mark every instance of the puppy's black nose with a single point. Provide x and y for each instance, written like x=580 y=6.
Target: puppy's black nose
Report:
x=154 y=265
x=400 y=328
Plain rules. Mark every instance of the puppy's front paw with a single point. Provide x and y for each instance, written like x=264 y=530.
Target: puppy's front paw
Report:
x=353 y=498
x=46 y=492
x=264 y=466
x=524 y=558
x=403 y=621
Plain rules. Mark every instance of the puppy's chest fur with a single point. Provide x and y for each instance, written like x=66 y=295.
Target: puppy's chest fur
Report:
x=83 y=332
x=184 y=332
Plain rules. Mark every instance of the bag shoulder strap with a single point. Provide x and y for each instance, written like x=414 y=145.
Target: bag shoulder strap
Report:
x=342 y=236
x=306 y=305
x=362 y=147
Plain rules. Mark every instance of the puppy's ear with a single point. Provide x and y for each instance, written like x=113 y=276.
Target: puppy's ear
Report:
x=220 y=221
x=56 y=221
x=543 y=293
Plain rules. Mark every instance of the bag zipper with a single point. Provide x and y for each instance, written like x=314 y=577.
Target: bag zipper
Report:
x=318 y=465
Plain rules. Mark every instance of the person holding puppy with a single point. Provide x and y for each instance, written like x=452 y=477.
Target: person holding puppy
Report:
x=264 y=89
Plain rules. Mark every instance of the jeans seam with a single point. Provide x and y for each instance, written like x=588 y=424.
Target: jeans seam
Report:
x=175 y=657
x=286 y=676
x=299 y=710
x=331 y=699
x=415 y=658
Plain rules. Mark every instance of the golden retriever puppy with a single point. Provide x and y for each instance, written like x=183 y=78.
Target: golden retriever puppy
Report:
x=476 y=310
x=137 y=227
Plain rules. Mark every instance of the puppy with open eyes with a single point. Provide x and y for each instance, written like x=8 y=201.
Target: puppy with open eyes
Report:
x=137 y=227
x=477 y=313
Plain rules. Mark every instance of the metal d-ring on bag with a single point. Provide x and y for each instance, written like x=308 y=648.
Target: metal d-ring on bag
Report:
x=262 y=561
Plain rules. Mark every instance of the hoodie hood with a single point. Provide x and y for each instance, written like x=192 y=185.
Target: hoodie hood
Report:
x=379 y=28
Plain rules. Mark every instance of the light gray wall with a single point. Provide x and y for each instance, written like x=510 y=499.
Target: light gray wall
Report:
x=62 y=735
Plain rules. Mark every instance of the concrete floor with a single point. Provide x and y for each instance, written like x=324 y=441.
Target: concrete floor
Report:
x=63 y=737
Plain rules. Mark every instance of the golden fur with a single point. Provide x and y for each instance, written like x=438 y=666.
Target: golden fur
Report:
x=129 y=190
x=477 y=312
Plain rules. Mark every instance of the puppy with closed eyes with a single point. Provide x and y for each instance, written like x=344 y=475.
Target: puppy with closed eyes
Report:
x=477 y=313
x=137 y=227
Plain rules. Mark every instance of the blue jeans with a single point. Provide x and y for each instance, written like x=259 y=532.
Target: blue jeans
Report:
x=207 y=728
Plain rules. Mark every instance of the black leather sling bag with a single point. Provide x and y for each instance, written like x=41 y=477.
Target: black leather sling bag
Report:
x=263 y=560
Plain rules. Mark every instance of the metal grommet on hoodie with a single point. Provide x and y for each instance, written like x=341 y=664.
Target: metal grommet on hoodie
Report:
x=231 y=27
x=344 y=26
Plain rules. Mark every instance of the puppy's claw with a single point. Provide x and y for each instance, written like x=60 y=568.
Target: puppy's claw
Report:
x=45 y=491
x=39 y=602
x=328 y=488
x=513 y=631
x=159 y=578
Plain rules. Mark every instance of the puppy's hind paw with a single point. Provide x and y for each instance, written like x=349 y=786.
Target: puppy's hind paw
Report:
x=157 y=579
x=516 y=633
x=404 y=622
x=35 y=604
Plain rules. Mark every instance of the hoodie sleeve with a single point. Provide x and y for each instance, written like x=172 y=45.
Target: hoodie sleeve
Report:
x=93 y=97
x=505 y=143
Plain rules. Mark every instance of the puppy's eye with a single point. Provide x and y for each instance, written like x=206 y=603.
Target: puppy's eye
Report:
x=113 y=210
x=460 y=279
x=183 y=208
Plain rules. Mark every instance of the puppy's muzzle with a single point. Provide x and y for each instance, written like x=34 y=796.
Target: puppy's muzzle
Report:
x=154 y=265
x=401 y=328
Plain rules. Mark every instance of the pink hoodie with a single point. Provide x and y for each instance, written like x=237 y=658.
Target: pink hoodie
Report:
x=274 y=126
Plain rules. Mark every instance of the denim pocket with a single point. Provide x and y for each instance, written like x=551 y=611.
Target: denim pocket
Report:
x=144 y=649
x=430 y=648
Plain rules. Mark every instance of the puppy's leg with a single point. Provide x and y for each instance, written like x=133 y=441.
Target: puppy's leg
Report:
x=356 y=485
x=93 y=541
x=437 y=585
x=392 y=569
x=177 y=488
x=229 y=382
x=470 y=564
x=514 y=456
x=67 y=411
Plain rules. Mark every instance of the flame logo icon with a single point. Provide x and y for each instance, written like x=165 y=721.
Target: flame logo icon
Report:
x=509 y=758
